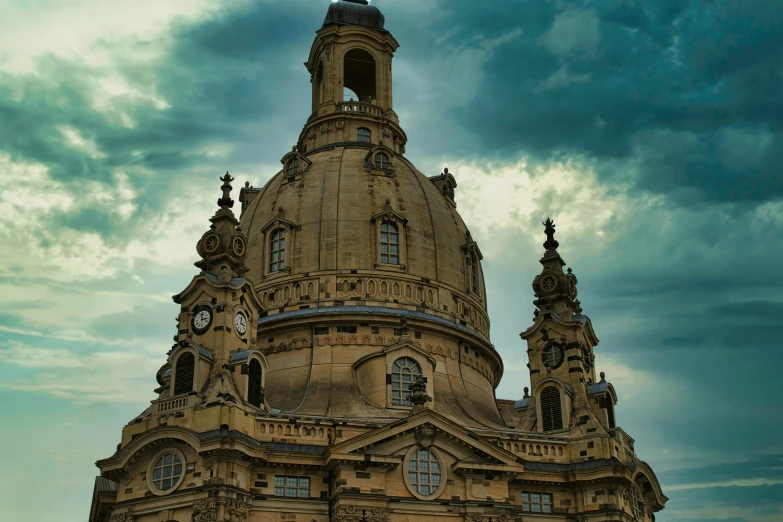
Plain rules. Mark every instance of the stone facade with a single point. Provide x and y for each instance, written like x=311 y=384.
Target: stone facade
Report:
x=333 y=359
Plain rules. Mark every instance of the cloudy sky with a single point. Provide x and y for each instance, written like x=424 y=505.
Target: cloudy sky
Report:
x=650 y=130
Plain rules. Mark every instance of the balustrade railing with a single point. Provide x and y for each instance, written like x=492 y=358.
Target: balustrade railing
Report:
x=360 y=108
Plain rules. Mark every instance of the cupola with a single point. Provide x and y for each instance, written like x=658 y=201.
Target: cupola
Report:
x=354 y=12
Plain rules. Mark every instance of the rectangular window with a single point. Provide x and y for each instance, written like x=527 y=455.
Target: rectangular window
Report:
x=321 y=330
x=346 y=329
x=537 y=502
x=298 y=487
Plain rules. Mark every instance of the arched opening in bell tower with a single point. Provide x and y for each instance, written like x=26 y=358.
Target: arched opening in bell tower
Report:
x=319 y=87
x=359 y=75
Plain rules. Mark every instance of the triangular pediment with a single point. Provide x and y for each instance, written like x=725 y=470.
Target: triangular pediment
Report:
x=471 y=451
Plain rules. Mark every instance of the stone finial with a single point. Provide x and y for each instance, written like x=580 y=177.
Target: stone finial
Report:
x=404 y=329
x=445 y=170
x=549 y=229
x=527 y=393
x=418 y=393
x=603 y=377
x=577 y=307
x=226 y=201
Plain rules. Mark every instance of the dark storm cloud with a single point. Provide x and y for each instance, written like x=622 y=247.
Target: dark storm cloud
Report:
x=227 y=80
x=687 y=92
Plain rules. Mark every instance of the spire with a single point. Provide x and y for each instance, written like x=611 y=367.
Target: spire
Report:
x=226 y=202
x=223 y=247
x=554 y=288
x=549 y=229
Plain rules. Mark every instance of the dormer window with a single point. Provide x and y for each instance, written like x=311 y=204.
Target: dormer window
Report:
x=390 y=243
x=551 y=412
x=185 y=369
x=277 y=250
x=363 y=135
x=292 y=167
x=381 y=161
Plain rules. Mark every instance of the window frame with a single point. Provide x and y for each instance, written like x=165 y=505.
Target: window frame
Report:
x=260 y=385
x=386 y=217
x=152 y=466
x=290 y=237
x=556 y=416
x=403 y=403
x=541 y=503
x=443 y=472
x=388 y=229
x=274 y=236
x=359 y=135
x=175 y=377
x=286 y=487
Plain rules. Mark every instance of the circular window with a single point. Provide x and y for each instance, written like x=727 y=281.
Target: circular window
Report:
x=571 y=286
x=381 y=161
x=548 y=283
x=425 y=477
x=292 y=167
x=166 y=471
x=239 y=246
x=211 y=243
x=553 y=356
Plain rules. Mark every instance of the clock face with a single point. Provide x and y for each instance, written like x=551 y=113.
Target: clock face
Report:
x=202 y=318
x=240 y=323
x=553 y=356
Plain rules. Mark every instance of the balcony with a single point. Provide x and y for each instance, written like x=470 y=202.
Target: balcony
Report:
x=174 y=403
x=360 y=108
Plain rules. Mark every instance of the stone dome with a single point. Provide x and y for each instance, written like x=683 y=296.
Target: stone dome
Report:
x=360 y=261
x=354 y=12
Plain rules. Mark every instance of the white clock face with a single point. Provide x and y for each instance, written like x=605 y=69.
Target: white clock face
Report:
x=240 y=323
x=201 y=319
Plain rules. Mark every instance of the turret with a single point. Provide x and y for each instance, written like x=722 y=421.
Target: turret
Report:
x=350 y=66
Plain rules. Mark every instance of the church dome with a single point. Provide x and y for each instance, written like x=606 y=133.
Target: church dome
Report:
x=354 y=12
x=355 y=253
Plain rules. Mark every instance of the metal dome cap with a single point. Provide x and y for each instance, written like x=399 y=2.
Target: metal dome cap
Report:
x=354 y=12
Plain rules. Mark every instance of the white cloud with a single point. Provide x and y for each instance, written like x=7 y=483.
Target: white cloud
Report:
x=517 y=195
x=72 y=29
x=563 y=78
x=100 y=376
x=575 y=33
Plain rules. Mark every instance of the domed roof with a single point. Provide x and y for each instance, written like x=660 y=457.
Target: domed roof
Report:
x=354 y=12
x=335 y=207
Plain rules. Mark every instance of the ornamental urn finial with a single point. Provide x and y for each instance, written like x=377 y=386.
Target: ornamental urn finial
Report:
x=418 y=393
x=549 y=229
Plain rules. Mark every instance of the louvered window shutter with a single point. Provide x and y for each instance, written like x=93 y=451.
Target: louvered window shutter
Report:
x=186 y=365
x=550 y=409
x=254 y=393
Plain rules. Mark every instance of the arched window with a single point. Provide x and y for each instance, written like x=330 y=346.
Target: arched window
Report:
x=381 y=161
x=277 y=250
x=404 y=372
x=363 y=135
x=254 y=394
x=552 y=418
x=390 y=243
x=610 y=411
x=292 y=167
x=473 y=260
x=637 y=503
x=186 y=365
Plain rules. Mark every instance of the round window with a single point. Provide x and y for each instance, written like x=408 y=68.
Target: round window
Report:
x=166 y=471
x=381 y=161
x=425 y=475
x=553 y=356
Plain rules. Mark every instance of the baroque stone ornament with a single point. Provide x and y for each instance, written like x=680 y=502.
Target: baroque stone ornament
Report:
x=425 y=435
x=353 y=513
x=205 y=510
x=122 y=517
x=479 y=517
x=238 y=509
x=418 y=392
